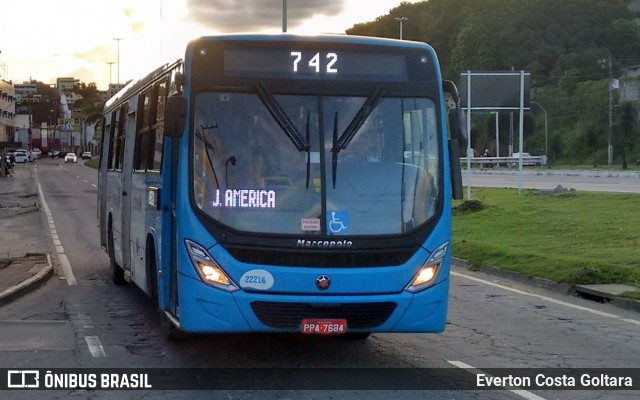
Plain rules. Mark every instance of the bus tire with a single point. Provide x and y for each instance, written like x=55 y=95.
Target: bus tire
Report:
x=169 y=330
x=356 y=335
x=117 y=273
x=152 y=271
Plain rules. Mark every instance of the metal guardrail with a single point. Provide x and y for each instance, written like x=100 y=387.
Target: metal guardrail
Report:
x=509 y=161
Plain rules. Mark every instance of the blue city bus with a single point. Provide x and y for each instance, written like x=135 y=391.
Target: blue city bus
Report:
x=282 y=183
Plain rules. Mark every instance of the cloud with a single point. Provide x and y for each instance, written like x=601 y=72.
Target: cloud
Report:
x=100 y=52
x=83 y=74
x=255 y=15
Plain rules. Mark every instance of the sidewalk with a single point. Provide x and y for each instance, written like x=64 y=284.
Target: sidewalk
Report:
x=25 y=262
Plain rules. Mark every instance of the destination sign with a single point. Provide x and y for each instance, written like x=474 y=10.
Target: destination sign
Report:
x=292 y=63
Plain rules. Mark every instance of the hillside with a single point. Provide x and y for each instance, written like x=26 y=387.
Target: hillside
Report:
x=565 y=45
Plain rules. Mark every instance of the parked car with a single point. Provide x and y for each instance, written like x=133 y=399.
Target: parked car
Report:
x=71 y=157
x=36 y=153
x=21 y=156
x=61 y=154
x=31 y=156
x=86 y=155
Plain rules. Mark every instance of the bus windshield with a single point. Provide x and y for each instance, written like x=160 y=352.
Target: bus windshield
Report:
x=316 y=165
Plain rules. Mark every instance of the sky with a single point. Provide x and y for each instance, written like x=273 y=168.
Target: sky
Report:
x=46 y=39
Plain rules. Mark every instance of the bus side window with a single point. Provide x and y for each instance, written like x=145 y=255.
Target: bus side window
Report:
x=113 y=144
x=109 y=130
x=142 y=130
x=120 y=138
x=154 y=149
x=138 y=132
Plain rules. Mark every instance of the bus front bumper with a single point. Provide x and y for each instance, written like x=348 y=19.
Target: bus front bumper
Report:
x=208 y=310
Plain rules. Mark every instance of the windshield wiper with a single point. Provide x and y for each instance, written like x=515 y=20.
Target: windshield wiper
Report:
x=309 y=150
x=281 y=118
x=208 y=146
x=360 y=118
x=353 y=128
x=334 y=151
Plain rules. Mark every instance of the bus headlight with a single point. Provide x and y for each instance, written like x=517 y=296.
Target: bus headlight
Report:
x=210 y=272
x=427 y=274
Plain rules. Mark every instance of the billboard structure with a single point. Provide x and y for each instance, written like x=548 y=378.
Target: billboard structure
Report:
x=495 y=91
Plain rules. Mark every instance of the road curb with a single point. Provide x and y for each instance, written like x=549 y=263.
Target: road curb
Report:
x=565 y=288
x=28 y=285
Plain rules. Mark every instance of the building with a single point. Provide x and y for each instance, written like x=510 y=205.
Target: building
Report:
x=26 y=89
x=7 y=112
x=67 y=87
x=113 y=89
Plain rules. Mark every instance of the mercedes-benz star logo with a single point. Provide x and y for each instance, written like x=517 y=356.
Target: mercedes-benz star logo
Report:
x=323 y=282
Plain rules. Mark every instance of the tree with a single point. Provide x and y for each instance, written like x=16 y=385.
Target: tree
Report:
x=626 y=129
x=90 y=105
x=591 y=136
x=561 y=43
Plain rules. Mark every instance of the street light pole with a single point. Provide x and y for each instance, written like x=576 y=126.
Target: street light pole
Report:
x=546 y=151
x=497 y=113
x=110 y=66
x=610 y=145
x=284 y=16
x=401 y=20
x=118 y=40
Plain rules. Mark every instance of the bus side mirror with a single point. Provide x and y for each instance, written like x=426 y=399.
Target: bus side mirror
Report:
x=175 y=116
x=455 y=114
x=457 y=135
x=456 y=171
x=458 y=127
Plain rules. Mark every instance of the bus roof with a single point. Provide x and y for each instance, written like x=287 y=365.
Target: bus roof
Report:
x=324 y=38
x=280 y=37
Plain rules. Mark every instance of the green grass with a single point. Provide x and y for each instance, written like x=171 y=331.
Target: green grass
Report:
x=572 y=237
x=631 y=295
x=93 y=163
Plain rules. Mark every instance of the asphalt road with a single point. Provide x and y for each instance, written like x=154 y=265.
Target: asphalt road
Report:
x=618 y=183
x=80 y=320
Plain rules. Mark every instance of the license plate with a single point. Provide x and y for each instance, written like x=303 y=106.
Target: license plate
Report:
x=324 y=326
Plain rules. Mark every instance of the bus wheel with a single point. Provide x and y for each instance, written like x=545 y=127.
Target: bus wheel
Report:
x=169 y=330
x=117 y=273
x=152 y=272
x=356 y=335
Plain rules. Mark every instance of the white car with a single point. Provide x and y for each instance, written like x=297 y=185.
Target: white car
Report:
x=21 y=156
x=71 y=157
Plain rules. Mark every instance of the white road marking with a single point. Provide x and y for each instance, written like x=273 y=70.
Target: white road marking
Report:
x=95 y=346
x=64 y=261
x=545 y=298
x=66 y=269
x=525 y=394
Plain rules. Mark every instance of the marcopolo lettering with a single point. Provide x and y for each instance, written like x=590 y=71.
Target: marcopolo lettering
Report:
x=325 y=244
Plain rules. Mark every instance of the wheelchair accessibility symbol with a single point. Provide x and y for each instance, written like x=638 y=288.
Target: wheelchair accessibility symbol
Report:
x=338 y=222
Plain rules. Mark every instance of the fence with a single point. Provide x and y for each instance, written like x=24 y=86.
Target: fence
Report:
x=507 y=161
